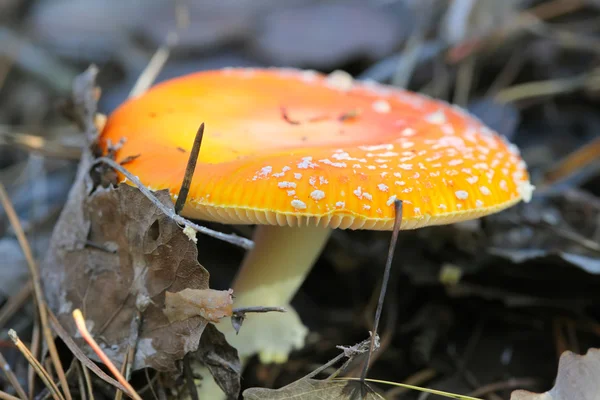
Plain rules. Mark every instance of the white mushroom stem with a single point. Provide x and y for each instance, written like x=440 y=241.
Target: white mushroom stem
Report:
x=270 y=275
x=274 y=270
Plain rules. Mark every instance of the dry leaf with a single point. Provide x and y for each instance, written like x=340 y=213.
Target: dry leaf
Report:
x=221 y=359
x=577 y=379
x=210 y=304
x=309 y=389
x=134 y=254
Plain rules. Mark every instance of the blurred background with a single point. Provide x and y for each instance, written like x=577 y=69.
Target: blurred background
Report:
x=489 y=302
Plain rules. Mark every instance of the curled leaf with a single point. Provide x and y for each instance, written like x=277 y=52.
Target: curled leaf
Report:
x=209 y=304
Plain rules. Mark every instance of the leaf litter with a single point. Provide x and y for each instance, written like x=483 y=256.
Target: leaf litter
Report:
x=116 y=255
x=310 y=388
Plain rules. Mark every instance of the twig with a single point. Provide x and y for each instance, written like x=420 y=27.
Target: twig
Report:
x=189 y=170
x=36 y=365
x=384 y=284
x=233 y=239
x=348 y=352
x=37 y=288
x=238 y=315
x=257 y=309
x=10 y=375
x=80 y=322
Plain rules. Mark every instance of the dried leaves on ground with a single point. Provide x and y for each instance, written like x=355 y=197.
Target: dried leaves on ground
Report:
x=121 y=265
x=306 y=389
x=114 y=254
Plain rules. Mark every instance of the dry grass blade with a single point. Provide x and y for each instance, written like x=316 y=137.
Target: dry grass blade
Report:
x=551 y=87
x=156 y=64
x=14 y=303
x=88 y=381
x=10 y=375
x=37 y=288
x=574 y=162
x=80 y=380
x=80 y=322
x=42 y=373
x=36 y=339
x=80 y=356
x=6 y=396
x=38 y=144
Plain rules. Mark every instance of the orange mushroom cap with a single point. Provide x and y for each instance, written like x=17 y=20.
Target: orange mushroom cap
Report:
x=290 y=147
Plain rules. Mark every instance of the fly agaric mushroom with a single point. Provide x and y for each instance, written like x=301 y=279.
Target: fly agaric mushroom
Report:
x=298 y=154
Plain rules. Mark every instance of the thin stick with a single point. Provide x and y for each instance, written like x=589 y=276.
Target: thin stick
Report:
x=189 y=170
x=256 y=309
x=80 y=322
x=36 y=365
x=233 y=239
x=10 y=375
x=37 y=288
x=384 y=284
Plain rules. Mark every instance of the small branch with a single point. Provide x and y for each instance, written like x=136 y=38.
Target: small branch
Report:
x=384 y=284
x=189 y=170
x=238 y=315
x=258 y=309
x=233 y=239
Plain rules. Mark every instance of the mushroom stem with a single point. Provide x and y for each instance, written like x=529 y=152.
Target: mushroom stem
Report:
x=270 y=275
x=274 y=270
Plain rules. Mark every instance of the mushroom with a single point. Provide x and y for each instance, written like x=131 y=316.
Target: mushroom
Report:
x=298 y=154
